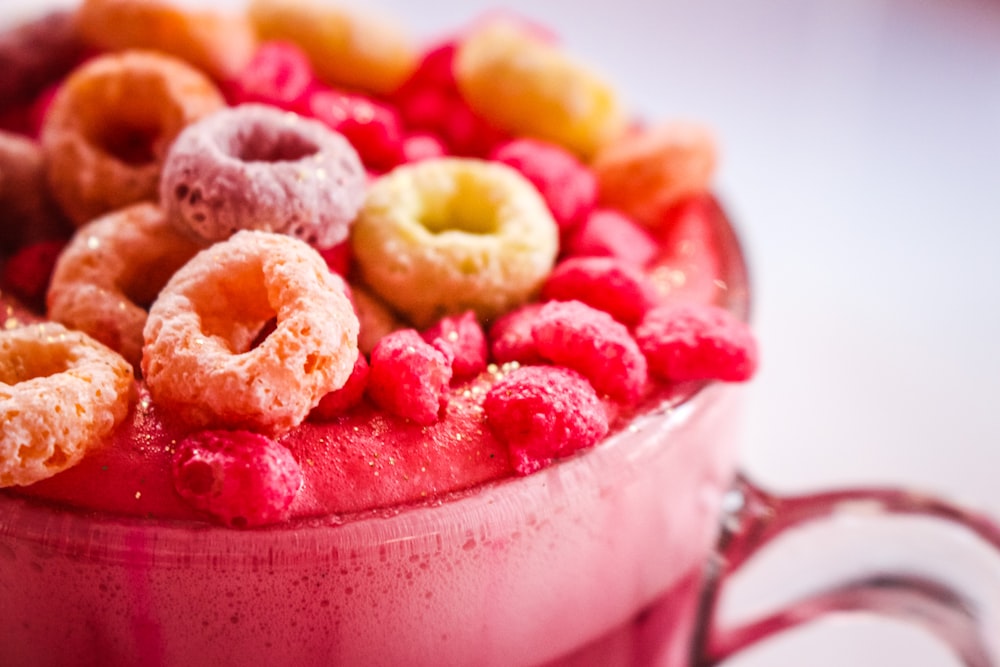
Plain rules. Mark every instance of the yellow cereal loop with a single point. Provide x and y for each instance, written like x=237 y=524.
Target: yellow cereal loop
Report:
x=111 y=270
x=346 y=45
x=217 y=42
x=61 y=394
x=527 y=86
x=210 y=355
x=446 y=235
x=646 y=172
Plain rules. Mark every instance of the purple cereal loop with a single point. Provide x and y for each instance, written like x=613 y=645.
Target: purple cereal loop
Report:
x=256 y=167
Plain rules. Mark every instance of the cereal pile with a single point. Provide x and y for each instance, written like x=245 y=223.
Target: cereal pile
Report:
x=286 y=262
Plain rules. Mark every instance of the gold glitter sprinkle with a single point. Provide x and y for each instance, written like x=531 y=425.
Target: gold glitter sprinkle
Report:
x=492 y=368
x=138 y=494
x=93 y=243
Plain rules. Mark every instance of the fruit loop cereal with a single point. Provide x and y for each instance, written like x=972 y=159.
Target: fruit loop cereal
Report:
x=347 y=46
x=200 y=360
x=218 y=43
x=648 y=171
x=527 y=86
x=471 y=233
x=350 y=271
x=61 y=393
x=110 y=125
x=256 y=167
x=112 y=270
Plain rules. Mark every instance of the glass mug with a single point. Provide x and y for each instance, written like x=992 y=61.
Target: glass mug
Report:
x=613 y=557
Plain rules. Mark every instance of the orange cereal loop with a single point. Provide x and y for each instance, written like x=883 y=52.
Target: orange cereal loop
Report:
x=523 y=84
x=110 y=125
x=204 y=357
x=61 y=394
x=346 y=45
x=110 y=272
x=220 y=43
x=646 y=172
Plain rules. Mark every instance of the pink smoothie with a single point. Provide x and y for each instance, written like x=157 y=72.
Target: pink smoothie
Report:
x=523 y=571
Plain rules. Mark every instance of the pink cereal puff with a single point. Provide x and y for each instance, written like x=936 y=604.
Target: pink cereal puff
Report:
x=409 y=377
x=464 y=336
x=242 y=479
x=35 y=54
x=577 y=336
x=339 y=401
x=568 y=186
x=279 y=74
x=338 y=257
x=257 y=167
x=205 y=357
x=608 y=233
x=543 y=413
x=512 y=338
x=419 y=146
x=373 y=128
x=688 y=341
x=619 y=289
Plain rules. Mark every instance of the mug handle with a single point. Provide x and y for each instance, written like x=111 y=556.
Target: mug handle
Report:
x=754 y=518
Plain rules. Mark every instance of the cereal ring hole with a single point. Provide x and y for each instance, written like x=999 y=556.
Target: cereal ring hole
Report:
x=241 y=312
x=32 y=364
x=263 y=144
x=131 y=144
x=470 y=207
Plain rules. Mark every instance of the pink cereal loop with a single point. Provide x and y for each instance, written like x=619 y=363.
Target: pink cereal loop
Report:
x=110 y=124
x=200 y=357
x=111 y=269
x=61 y=394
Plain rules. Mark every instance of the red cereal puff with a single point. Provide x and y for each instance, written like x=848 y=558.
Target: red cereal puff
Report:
x=110 y=272
x=61 y=394
x=110 y=125
x=243 y=479
x=569 y=187
x=464 y=336
x=608 y=233
x=512 y=338
x=338 y=257
x=203 y=358
x=619 y=289
x=279 y=74
x=257 y=167
x=409 y=377
x=28 y=272
x=572 y=334
x=697 y=342
x=373 y=128
x=339 y=401
x=543 y=413
x=217 y=42
x=646 y=172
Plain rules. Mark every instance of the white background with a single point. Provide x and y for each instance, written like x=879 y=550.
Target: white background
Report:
x=861 y=160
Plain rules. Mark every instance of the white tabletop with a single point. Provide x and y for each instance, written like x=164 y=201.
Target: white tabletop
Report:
x=861 y=159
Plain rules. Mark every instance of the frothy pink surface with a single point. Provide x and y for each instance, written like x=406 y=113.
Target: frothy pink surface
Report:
x=520 y=572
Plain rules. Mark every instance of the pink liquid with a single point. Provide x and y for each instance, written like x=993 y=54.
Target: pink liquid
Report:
x=593 y=561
